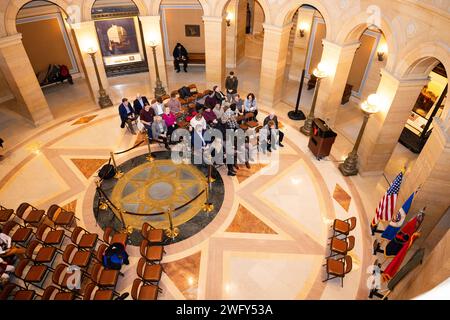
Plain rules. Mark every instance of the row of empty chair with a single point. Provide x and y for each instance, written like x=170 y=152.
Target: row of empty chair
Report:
x=45 y=235
x=339 y=263
x=149 y=269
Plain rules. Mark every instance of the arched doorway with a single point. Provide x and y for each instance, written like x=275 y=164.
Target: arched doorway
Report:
x=363 y=78
x=50 y=44
x=244 y=42
x=183 y=23
x=304 y=54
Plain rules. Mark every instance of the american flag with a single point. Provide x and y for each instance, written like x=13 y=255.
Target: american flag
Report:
x=386 y=206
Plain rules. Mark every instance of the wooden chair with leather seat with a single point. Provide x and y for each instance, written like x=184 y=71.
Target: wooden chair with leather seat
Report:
x=75 y=257
x=29 y=214
x=9 y=291
x=100 y=252
x=149 y=273
x=53 y=293
x=93 y=292
x=141 y=291
x=61 y=217
x=118 y=237
x=152 y=235
x=83 y=239
x=343 y=227
x=5 y=214
x=50 y=236
x=152 y=254
x=19 y=235
x=341 y=247
x=62 y=278
x=35 y=274
x=41 y=254
x=338 y=268
x=104 y=278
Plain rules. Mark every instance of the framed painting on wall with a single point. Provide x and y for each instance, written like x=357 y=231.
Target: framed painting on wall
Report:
x=118 y=40
x=192 y=30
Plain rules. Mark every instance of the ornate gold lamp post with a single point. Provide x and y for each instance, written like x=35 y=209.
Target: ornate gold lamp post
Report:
x=320 y=72
x=350 y=165
x=159 y=89
x=103 y=100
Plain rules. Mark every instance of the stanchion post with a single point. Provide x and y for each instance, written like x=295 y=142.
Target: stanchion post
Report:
x=172 y=232
x=210 y=178
x=119 y=173
x=149 y=157
x=207 y=206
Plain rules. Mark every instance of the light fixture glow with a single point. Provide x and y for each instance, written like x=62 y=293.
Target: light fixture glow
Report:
x=303 y=27
x=229 y=17
x=372 y=104
x=322 y=70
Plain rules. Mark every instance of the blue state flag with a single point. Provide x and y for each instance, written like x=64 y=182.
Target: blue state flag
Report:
x=397 y=220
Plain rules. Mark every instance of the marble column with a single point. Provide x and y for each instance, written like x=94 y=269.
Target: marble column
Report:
x=86 y=36
x=431 y=172
x=273 y=63
x=299 y=51
x=384 y=128
x=231 y=35
x=151 y=28
x=215 y=50
x=338 y=59
x=19 y=73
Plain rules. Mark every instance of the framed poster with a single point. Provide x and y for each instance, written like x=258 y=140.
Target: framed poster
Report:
x=192 y=30
x=118 y=38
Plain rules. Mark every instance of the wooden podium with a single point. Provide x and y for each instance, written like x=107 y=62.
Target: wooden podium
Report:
x=321 y=139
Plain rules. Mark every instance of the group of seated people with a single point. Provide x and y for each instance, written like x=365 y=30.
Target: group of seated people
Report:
x=213 y=110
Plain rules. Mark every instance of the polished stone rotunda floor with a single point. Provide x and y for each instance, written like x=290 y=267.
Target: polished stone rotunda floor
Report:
x=150 y=191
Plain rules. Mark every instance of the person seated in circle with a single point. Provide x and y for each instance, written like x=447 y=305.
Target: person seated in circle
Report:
x=158 y=106
x=229 y=118
x=239 y=104
x=220 y=96
x=174 y=104
x=171 y=121
x=211 y=99
x=209 y=115
x=250 y=104
x=127 y=115
x=198 y=127
x=146 y=117
x=274 y=118
x=159 y=130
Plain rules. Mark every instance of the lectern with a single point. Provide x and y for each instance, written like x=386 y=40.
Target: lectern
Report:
x=321 y=139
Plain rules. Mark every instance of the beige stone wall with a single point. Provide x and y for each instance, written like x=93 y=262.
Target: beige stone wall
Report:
x=5 y=92
x=434 y=270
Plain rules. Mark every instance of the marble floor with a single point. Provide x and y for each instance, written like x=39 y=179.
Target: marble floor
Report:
x=269 y=238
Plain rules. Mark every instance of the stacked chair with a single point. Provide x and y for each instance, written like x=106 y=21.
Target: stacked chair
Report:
x=53 y=238
x=149 y=268
x=339 y=263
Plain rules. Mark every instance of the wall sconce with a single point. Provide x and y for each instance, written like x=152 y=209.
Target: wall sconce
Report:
x=302 y=28
x=229 y=18
x=382 y=50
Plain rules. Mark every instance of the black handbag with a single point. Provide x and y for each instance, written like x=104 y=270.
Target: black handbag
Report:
x=107 y=171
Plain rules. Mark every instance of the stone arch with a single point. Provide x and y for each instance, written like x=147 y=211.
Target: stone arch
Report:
x=222 y=5
x=88 y=4
x=354 y=28
x=155 y=5
x=420 y=59
x=287 y=12
x=13 y=9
